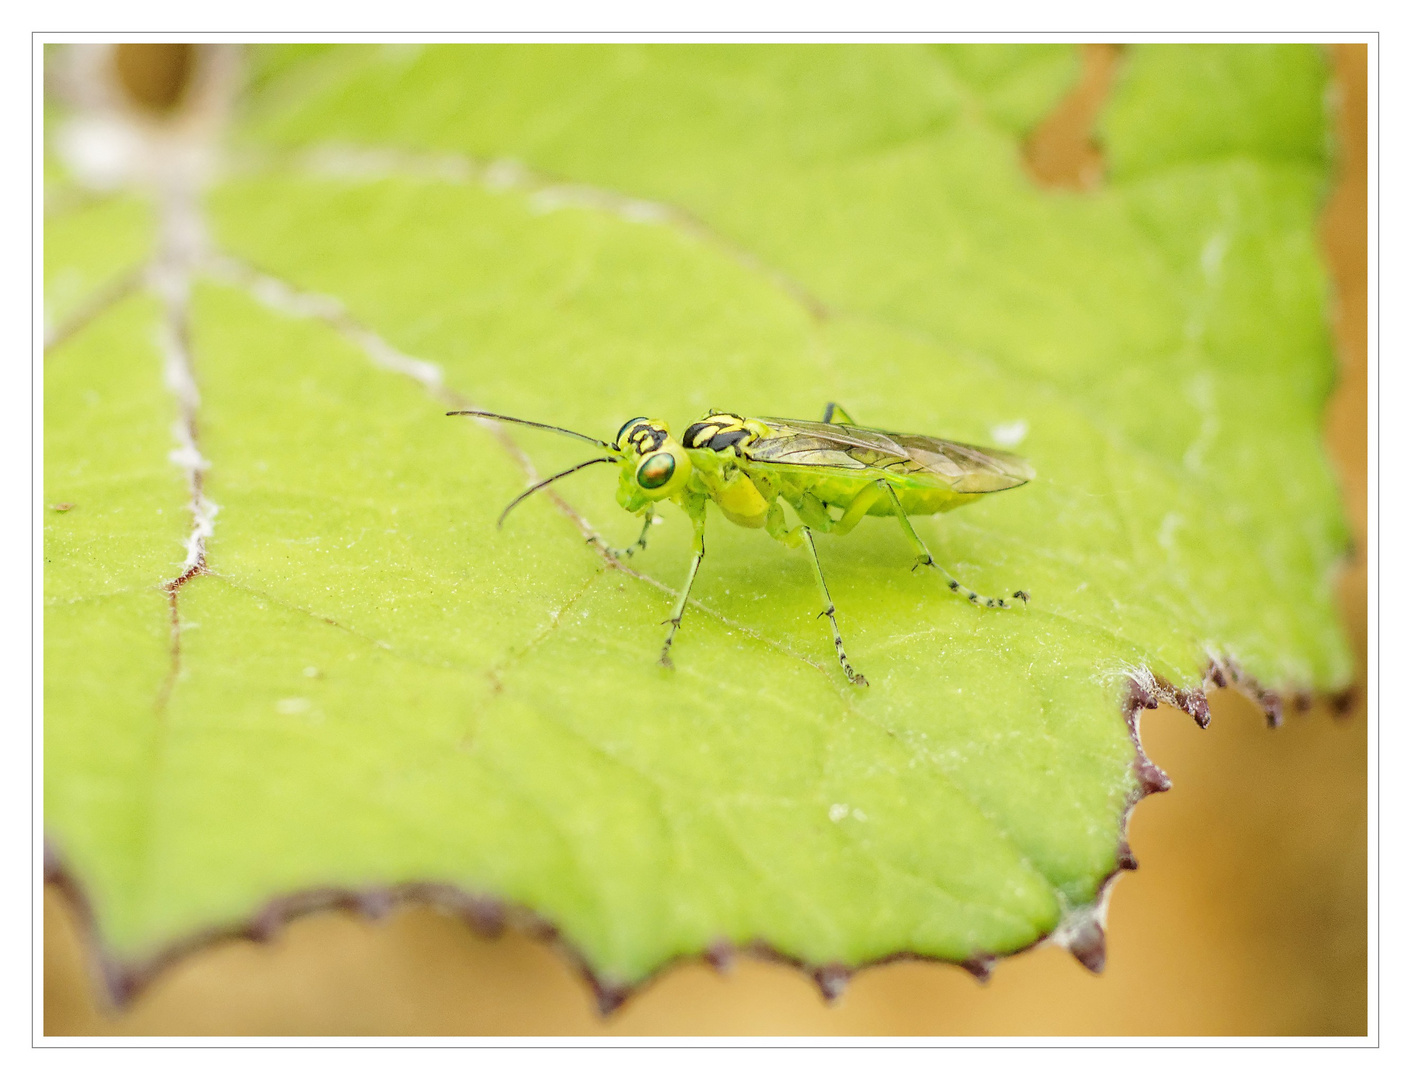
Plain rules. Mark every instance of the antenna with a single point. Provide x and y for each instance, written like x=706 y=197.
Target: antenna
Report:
x=545 y=483
x=533 y=424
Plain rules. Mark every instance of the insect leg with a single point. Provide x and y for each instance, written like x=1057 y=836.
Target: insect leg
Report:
x=857 y=509
x=854 y=677
x=797 y=537
x=836 y=410
x=698 y=553
x=637 y=545
x=923 y=558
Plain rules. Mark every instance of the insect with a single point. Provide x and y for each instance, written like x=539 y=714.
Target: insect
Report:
x=831 y=473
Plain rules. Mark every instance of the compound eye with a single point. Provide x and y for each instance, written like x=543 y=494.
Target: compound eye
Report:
x=625 y=428
x=656 y=471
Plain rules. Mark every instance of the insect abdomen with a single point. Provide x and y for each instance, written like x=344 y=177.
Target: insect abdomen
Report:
x=838 y=491
x=923 y=500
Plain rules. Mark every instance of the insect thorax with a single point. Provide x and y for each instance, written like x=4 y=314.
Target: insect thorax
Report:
x=722 y=432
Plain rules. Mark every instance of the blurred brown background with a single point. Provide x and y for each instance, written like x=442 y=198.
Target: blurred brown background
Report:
x=1248 y=915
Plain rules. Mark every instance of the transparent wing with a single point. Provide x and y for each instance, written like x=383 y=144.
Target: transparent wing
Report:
x=960 y=466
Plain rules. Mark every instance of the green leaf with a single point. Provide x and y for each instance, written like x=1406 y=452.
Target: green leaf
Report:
x=364 y=685
x=92 y=249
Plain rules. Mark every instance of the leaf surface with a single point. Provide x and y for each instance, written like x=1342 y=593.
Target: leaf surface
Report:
x=369 y=685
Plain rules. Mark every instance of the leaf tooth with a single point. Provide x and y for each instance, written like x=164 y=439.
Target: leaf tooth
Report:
x=832 y=980
x=1083 y=935
x=1273 y=708
x=1125 y=859
x=609 y=996
x=981 y=965
x=720 y=955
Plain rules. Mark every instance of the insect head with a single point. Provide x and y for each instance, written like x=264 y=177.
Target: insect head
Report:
x=654 y=465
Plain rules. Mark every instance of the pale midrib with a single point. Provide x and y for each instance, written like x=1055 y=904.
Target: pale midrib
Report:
x=181 y=235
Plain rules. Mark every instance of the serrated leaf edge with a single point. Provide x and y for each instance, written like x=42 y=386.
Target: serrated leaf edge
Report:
x=1081 y=930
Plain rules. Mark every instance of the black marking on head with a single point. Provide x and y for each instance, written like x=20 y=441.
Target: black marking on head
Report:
x=625 y=428
x=642 y=436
